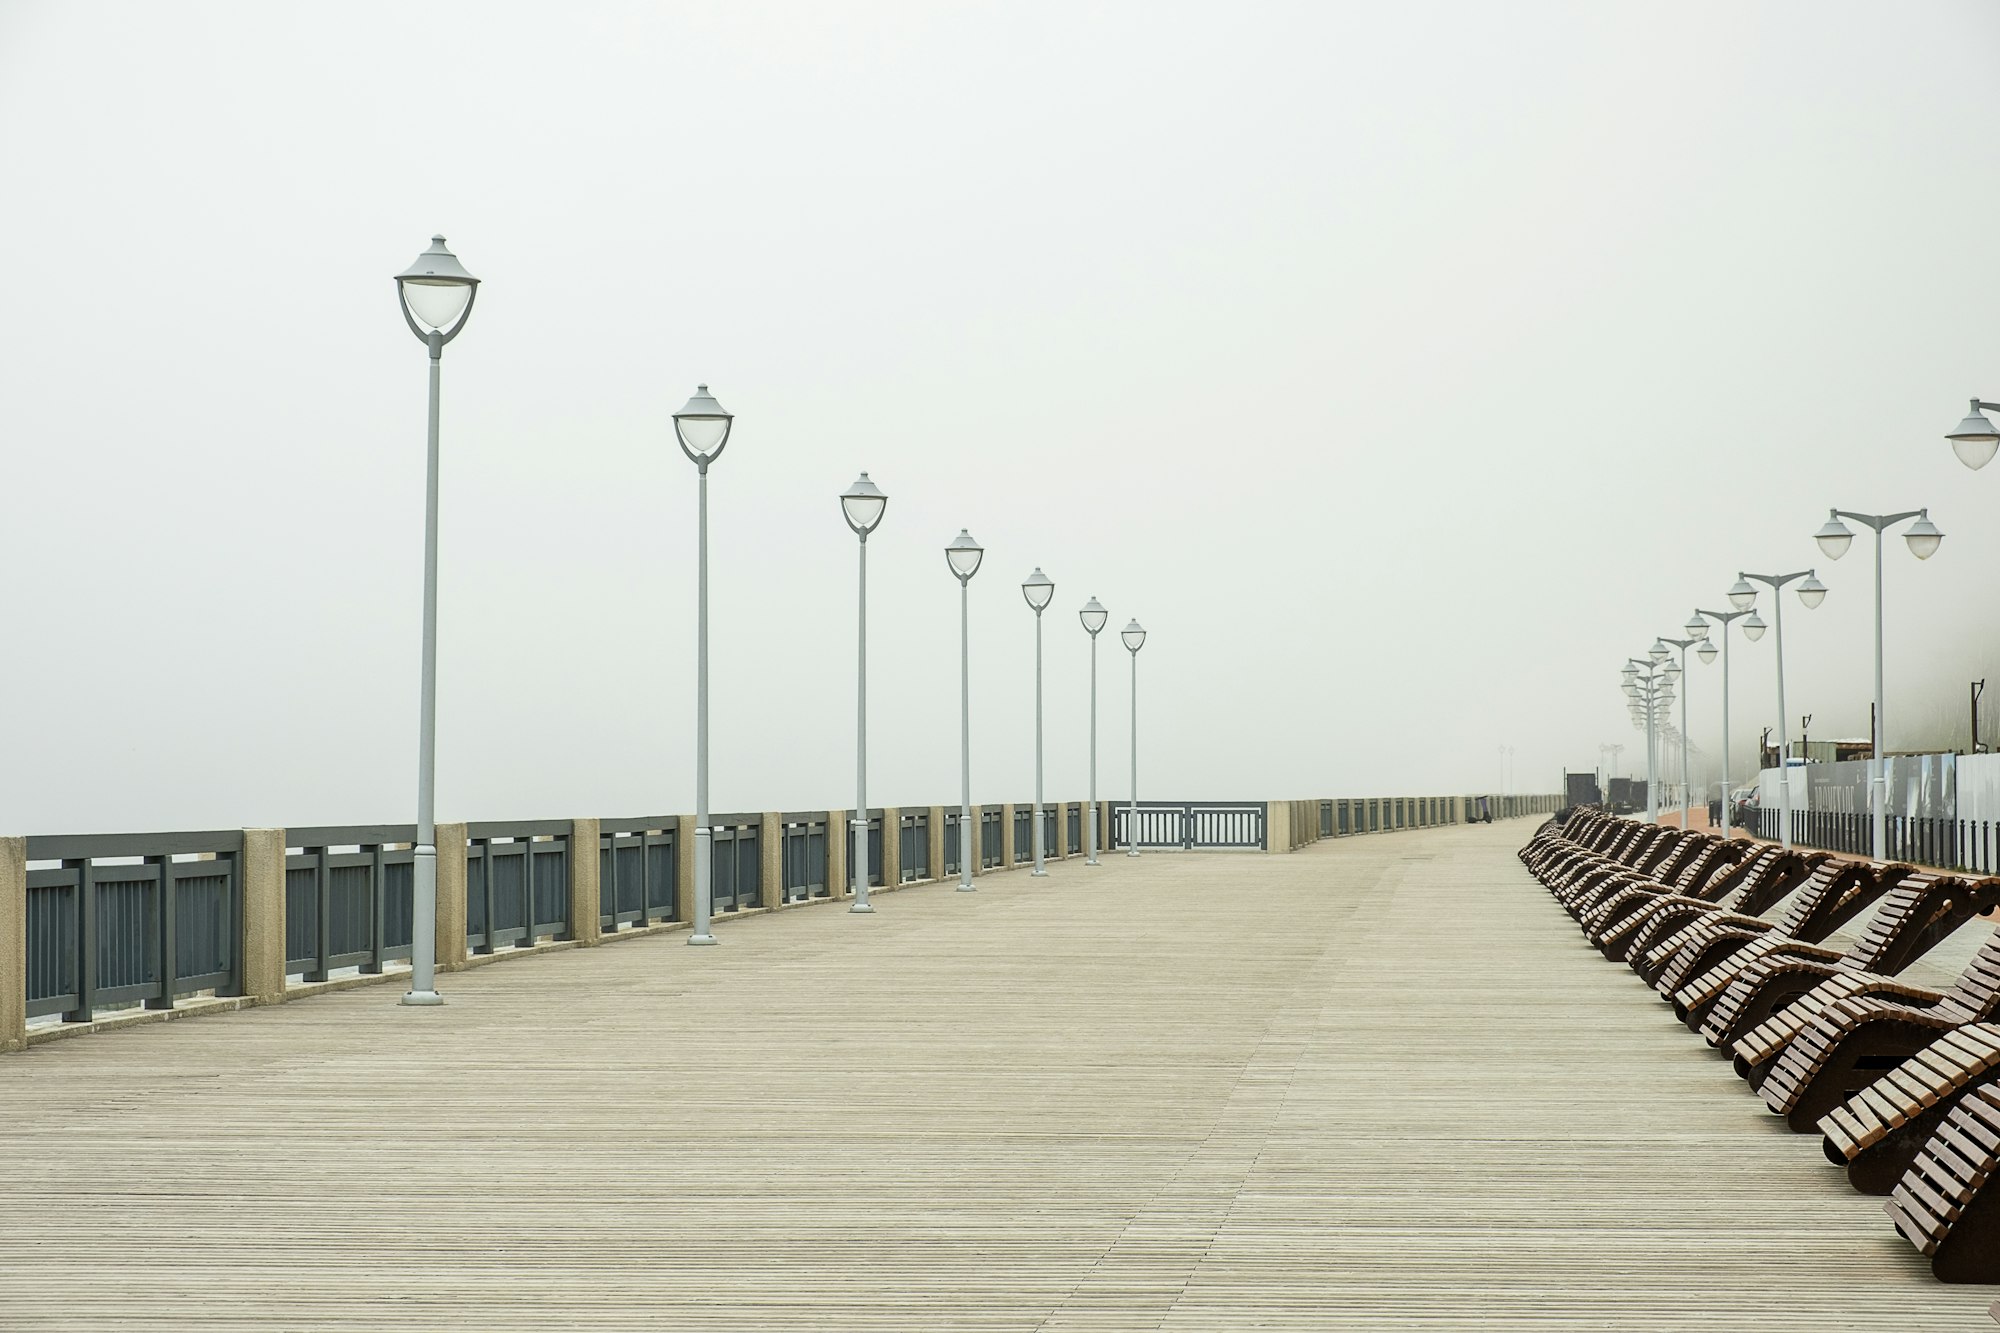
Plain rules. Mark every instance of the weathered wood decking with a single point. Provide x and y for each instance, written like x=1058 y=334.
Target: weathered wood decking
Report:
x=1381 y=1084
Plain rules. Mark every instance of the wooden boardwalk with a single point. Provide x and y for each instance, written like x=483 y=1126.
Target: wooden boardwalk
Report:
x=1381 y=1084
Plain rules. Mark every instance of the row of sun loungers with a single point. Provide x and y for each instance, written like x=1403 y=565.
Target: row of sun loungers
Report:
x=1901 y=1082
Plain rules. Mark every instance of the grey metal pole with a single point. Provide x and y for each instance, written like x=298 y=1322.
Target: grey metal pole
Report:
x=1652 y=752
x=1784 y=764
x=966 y=828
x=703 y=887
x=1132 y=833
x=423 y=920
x=1090 y=819
x=1687 y=793
x=859 y=823
x=1039 y=869
x=1880 y=784
x=1725 y=728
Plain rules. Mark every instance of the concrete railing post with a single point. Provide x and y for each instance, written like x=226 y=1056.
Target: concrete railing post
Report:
x=1278 y=826
x=585 y=908
x=837 y=885
x=770 y=859
x=684 y=869
x=936 y=858
x=1007 y=836
x=451 y=948
x=892 y=846
x=14 y=944
x=262 y=876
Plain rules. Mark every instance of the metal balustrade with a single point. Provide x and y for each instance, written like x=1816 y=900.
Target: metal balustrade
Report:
x=638 y=872
x=874 y=851
x=348 y=898
x=913 y=834
x=131 y=917
x=804 y=857
x=1190 y=825
x=516 y=883
x=990 y=846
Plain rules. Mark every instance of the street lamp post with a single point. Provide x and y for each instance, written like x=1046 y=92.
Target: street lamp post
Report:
x=436 y=295
x=1037 y=591
x=1707 y=654
x=1093 y=617
x=1134 y=637
x=1923 y=539
x=861 y=505
x=1811 y=592
x=702 y=428
x=1648 y=684
x=963 y=556
x=1695 y=633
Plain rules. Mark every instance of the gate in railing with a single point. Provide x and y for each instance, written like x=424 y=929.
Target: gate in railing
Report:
x=1191 y=825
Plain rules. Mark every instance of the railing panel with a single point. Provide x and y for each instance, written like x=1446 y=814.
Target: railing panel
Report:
x=1073 y=820
x=990 y=833
x=914 y=846
x=204 y=927
x=52 y=942
x=128 y=961
x=874 y=850
x=804 y=859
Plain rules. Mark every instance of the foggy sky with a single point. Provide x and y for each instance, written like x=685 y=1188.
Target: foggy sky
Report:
x=1404 y=368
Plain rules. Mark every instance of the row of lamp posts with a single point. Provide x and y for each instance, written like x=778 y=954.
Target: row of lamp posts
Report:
x=436 y=294
x=1975 y=441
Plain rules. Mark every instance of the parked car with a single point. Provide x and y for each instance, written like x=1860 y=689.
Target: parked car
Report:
x=1743 y=808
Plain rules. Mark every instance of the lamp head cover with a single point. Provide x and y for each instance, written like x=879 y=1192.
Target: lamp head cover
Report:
x=1093 y=617
x=862 y=504
x=436 y=291
x=1038 y=590
x=1133 y=635
x=963 y=555
x=1834 y=537
x=702 y=427
x=1975 y=440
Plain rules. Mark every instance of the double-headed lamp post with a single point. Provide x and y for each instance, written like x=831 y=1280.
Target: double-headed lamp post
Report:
x=1649 y=687
x=1037 y=591
x=963 y=556
x=861 y=505
x=436 y=294
x=1753 y=627
x=1923 y=539
x=1134 y=637
x=1811 y=592
x=1093 y=617
x=702 y=427
x=1694 y=637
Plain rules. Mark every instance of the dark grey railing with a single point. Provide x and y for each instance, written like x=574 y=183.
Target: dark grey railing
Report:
x=1073 y=823
x=1191 y=825
x=638 y=872
x=516 y=883
x=120 y=919
x=736 y=862
x=951 y=843
x=804 y=859
x=348 y=895
x=874 y=849
x=913 y=834
x=991 y=848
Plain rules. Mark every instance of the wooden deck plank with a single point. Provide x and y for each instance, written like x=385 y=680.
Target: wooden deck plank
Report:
x=1381 y=1084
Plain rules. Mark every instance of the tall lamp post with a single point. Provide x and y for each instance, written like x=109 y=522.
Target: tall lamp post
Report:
x=1811 y=592
x=1752 y=628
x=862 y=505
x=963 y=556
x=1695 y=632
x=702 y=427
x=1134 y=637
x=1093 y=617
x=1037 y=590
x=436 y=295
x=1923 y=539
x=1649 y=687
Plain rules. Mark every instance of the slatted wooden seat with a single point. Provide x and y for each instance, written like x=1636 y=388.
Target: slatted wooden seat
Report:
x=1856 y=1040
x=1692 y=862
x=1942 y=1204
x=1712 y=932
x=1631 y=848
x=1836 y=892
x=1917 y=912
x=1585 y=881
x=1877 y=1137
x=1619 y=912
x=1750 y=886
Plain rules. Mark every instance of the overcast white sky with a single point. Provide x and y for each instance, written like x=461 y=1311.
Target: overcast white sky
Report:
x=1404 y=367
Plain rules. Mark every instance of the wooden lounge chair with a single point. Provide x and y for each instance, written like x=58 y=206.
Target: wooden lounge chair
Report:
x=1683 y=938
x=1878 y=1131
x=1750 y=887
x=1674 y=870
x=1942 y=1205
x=1917 y=912
x=1835 y=893
x=1613 y=918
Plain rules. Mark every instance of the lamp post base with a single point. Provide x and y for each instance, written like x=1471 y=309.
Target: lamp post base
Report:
x=1038 y=874
x=967 y=888
x=422 y=999
x=1093 y=861
x=703 y=939
x=864 y=908
x=1131 y=853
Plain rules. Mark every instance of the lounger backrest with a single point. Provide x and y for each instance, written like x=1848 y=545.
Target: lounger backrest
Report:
x=1687 y=866
x=1977 y=989
x=1683 y=849
x=1774 y=873
x=1916 y=913
x=1833 y=896
x=1722 y=854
